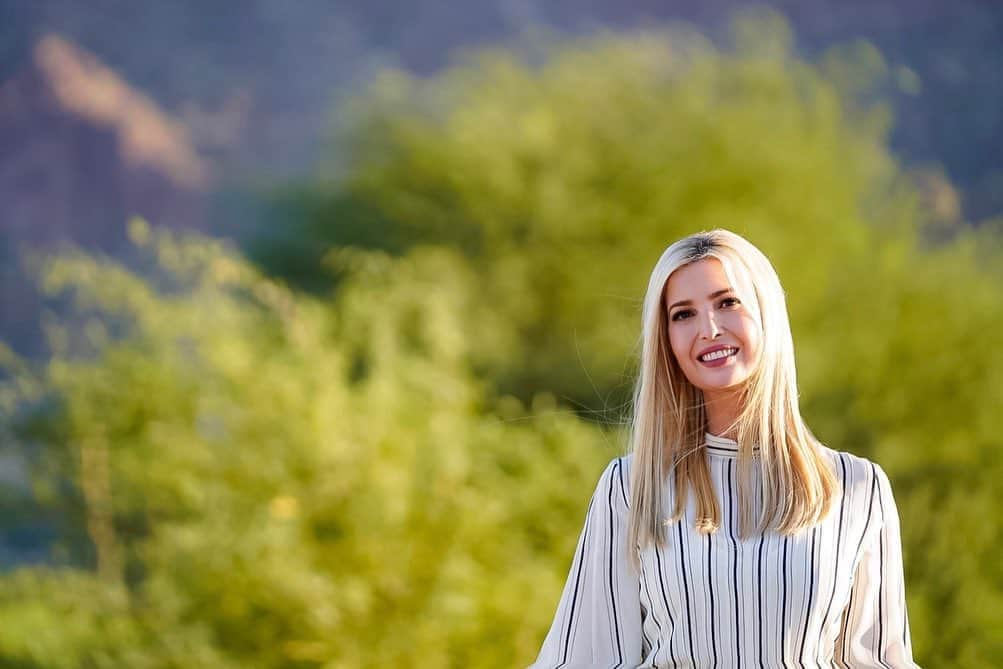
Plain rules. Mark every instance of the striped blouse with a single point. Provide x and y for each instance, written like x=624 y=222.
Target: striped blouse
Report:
x=832 y=596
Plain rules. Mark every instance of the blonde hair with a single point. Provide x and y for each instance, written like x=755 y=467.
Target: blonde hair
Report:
x=669 y=419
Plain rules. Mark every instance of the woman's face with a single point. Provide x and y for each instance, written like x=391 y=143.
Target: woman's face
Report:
x=714 y=338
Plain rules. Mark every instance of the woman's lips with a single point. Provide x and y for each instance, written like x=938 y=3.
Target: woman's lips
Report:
x=719 y=357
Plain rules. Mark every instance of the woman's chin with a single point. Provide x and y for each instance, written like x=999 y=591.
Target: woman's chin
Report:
x=721 y=385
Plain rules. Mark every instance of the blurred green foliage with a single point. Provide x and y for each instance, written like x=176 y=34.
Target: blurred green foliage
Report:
x=274 y=481
x=246 y=474
x=597 y=158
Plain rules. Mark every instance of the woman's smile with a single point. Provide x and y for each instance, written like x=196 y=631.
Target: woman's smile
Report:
x=717 y=356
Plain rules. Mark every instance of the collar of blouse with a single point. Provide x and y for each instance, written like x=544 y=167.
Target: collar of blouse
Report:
x=724 y=447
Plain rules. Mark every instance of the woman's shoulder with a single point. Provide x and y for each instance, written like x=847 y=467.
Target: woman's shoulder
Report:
x=615 y=479
x=855 y=470
x=619 y=466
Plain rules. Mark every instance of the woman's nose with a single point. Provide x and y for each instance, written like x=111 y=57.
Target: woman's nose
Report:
x=708 y=326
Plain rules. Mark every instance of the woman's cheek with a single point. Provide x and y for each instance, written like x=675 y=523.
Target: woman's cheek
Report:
x=678 y=345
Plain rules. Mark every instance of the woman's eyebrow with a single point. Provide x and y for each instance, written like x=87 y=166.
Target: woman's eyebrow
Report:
x=716 y=293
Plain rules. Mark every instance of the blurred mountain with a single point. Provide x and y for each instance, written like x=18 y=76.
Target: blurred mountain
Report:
x=82 y=151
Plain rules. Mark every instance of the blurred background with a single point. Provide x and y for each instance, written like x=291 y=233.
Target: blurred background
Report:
x=318 y=320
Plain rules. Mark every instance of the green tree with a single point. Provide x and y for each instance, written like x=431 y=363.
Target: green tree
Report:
x=256 y=479
x=563 y=174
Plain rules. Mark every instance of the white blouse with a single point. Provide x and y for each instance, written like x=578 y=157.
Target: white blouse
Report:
x=832 y=596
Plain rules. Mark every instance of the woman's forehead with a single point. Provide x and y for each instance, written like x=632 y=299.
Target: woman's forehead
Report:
x=697 y=275
x=708 y=274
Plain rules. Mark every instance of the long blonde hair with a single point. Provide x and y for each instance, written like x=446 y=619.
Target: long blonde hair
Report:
x=669 y=419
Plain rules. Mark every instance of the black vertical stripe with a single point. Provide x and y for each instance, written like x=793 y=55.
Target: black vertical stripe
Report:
x=845 y=628
x=623 y=490
x=863 y=533
x=811 y=594
x=783 y=606
x=578 y=581
x=881 y=577
x=760 y=590
x=710 y=588
x=686 y=592
x=657 y=646
x=870 y=512
x=734 y=572
x=668 y=608
x=611 y=566
x=881 y=594
x=839 y=537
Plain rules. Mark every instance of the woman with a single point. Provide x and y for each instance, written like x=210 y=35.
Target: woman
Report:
x=729 y=537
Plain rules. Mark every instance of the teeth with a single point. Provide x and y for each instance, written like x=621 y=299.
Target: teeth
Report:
x=717 y=355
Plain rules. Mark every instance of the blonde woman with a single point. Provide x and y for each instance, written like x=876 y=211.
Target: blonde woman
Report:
x=730 y=536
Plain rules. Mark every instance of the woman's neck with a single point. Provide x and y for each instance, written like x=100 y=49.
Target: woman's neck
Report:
x=723 y=409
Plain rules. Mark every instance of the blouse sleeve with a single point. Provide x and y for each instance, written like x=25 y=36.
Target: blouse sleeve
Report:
x=598 y=619
x=875 y=624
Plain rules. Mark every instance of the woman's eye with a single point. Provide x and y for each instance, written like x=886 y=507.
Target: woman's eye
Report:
x=681 y=314
x=730 y=302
